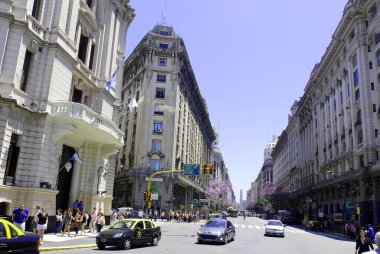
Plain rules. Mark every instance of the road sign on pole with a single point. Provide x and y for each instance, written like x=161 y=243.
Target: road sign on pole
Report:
x=191 y=169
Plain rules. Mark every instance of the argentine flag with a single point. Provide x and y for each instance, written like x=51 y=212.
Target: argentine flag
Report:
x=76 y=158
x=112 y=82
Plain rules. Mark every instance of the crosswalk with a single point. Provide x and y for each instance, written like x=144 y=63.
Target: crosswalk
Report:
x=257 y=227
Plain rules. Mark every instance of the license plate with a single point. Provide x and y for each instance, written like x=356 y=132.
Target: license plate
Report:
x=103 y=239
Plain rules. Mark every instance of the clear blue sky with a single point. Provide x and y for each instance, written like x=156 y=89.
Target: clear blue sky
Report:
x=252 y=60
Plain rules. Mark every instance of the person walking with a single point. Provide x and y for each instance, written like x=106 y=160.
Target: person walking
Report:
x=67 y=219
x=42 y=222
x=371 y=233
x=113 y=217
x=19 y=217
x=363 y=243
x=94 y=216
x=58 y=221
x=78 y=219
x=100 y=221
x=84 y=222
x=141 y=214
x=34 y=222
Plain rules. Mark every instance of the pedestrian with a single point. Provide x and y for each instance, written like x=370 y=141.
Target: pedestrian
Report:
x=34 y=222
x=19 y=217
x=113 y=217
x=377 y=241
x=371 y=234
x=155 y=212
x=100 y=221
x=58 y=221
x=84 y=222
x=363 y=243
x=141 y=214
x=78 y=219
x=94 y=216
x=42 y=222
x=67 y=219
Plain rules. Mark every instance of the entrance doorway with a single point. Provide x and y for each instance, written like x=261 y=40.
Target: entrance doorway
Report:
x=64 y=178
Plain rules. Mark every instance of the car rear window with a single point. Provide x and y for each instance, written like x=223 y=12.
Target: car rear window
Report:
x=216 y=224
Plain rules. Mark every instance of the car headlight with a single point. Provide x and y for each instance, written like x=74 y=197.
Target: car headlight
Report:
x=118 y=235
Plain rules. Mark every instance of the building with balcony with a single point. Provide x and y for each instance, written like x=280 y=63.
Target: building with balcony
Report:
x=166 y=125
x=335 y=172
x=59 y=124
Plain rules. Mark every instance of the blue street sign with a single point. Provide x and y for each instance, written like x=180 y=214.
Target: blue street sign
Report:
x=191 y=169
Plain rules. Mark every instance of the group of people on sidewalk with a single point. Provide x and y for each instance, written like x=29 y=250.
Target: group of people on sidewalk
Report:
x=364 y=243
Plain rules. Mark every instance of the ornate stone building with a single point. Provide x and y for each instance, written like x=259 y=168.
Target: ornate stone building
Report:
x=166 y=124
x=336 y=172
x=55 y=60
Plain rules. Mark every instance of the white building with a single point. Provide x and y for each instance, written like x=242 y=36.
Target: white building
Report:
x=55 y=59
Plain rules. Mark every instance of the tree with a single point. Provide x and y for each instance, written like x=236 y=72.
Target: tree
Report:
x=217 y=194
x=266 y=196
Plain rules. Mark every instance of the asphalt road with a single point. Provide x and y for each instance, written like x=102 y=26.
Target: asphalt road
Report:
x=181 y=238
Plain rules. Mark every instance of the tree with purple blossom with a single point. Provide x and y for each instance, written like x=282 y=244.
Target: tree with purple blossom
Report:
x=217 y=194
x=266 y=195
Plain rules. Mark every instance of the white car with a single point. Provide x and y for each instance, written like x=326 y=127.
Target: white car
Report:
x=274 y=227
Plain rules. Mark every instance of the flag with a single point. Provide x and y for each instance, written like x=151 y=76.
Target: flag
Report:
x=112 y=82
x=76 y=157
x=132 y=104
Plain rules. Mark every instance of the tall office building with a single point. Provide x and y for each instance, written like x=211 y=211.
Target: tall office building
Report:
x=166 y=125
x=58 y=123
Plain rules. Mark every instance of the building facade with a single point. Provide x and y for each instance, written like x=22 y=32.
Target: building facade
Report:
x=166 y=125
x=58 y=123
x=335 y=174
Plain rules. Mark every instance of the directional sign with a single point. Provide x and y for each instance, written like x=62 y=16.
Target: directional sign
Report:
x=191 y=169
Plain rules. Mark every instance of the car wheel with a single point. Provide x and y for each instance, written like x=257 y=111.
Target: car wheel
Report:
x=155 y=241
x=233 y=237
x=101 y=246
x=226 y=239
x=200 y=241
x=126 y=245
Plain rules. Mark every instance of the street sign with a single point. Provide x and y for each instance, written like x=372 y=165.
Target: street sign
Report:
x=154 y=196
x=203 y=201
x=191 y=169
x=350 y=206
x=157 y=179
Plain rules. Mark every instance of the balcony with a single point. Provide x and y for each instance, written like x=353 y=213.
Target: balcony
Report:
x=82 y=123
x=88 y=15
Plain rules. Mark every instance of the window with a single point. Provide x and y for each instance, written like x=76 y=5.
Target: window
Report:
x=164 y=46
x=25 y=70
x=89 y=3
x=360 y=137
x=148 y=224
x=160 y=93
x=378 y=78
x=352 y=35
x=354 y=60
x=341 y=97
x=374 y=108
x=370 y=65
x=158 y=127
x=82 y=52
x=356 y=77
x=162 y=61
x=77 y=95
x=156 y=145
x=372 y=86
x=161 y=78
x=164 y=32
x=154 y=164
x=377 y=38
x=376 y=133
x=378 y=58
x=158 y=109
x=36 y=9
x=91 y=64
x=373 y=11
x=357 y=94
x=13 y=153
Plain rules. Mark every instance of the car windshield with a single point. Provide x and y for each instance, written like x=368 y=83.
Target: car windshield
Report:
x=274 y=223
x=123 y=225
x=216 y=224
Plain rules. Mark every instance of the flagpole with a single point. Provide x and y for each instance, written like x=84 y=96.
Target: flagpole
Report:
x=101 y=93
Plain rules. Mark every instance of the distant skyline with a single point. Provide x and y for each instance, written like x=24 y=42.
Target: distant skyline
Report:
x=251 y=59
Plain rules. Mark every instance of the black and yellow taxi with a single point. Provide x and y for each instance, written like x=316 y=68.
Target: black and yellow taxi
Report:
x=128 y=232
x=13 y=240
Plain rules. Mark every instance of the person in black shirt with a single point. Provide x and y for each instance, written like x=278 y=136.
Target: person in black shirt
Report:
x=42 y=221
x=363 y=243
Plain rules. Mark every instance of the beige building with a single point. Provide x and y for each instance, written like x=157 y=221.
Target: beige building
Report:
x=166 y=125
x=55 y=60
x=337 y=171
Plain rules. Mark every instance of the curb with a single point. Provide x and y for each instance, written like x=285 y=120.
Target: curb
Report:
x=68 y=247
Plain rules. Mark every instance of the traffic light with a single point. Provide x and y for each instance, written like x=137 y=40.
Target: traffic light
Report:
x=145 y=196
x=196 y=170
x=204 y=169
x=211 y=168
x=149 y=196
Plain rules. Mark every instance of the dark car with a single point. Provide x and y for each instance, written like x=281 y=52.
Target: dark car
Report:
x=314 y=225
x=216 y=230
x=13 y=240
x=128 y=232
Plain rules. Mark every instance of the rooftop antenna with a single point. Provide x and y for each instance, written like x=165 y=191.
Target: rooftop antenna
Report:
x=164 y=16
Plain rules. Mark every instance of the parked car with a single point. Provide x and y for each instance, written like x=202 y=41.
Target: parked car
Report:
x=13 y=240
x=314 y=225
x=216 y=230
x=128 y=232
x=275 y=228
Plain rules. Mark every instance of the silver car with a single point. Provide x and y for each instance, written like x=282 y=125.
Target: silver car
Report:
x=274 y=227
x=216 y=230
